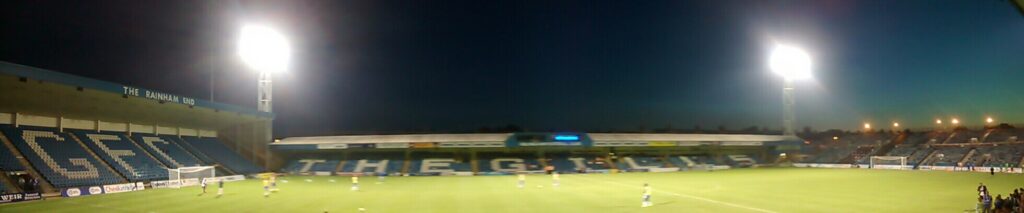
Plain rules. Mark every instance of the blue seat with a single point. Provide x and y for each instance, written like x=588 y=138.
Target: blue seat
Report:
x=485 y=164
x=8 y=162
x=123 y=155
x=563 y=164
x=165 y=149
x=416 y=165
x=394 y=164
x=205 y=159
x=642 y=161
x=60 y=159
x=220 y=153
x=295 y=163
x=292 y=165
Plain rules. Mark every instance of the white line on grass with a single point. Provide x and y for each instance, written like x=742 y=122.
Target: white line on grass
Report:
x=700 y=198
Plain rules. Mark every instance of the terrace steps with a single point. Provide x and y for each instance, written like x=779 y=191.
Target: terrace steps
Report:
x=968 y=156
x=341 y=165
x=11 y=186
x=985 y=136
x=926 y=158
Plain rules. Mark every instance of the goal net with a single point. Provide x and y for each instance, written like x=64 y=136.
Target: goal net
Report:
x=189 y=176
x=888 y=162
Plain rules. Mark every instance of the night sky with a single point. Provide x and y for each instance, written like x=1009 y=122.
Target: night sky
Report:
x=454 y=66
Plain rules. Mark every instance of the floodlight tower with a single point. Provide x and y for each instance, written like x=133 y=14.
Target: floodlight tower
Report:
x=266 y=51
x=792 y=64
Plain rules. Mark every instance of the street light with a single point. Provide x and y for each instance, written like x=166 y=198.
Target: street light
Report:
x=266 y=51
x=791 y=63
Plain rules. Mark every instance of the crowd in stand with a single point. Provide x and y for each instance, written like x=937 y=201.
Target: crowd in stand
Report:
x=1012 y=203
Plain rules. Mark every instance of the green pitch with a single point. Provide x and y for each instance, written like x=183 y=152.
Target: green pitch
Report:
x=738 y=190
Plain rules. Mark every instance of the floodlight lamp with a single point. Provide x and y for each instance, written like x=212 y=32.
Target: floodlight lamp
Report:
x=938 y=121
x=264 y=49
x=790 y=62
x=989 y=120
x=955 y=121
x=867 y=126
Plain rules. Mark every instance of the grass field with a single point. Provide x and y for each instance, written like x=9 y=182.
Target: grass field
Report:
x=737 y=190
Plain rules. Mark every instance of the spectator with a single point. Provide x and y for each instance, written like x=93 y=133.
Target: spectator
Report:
x=982 y=189
x=980 y=207
x=1020 y=201
x=35 y=185
x=986 y=203
x=997 y=203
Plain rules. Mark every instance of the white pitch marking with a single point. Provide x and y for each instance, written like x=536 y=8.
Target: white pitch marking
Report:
x=701 y=199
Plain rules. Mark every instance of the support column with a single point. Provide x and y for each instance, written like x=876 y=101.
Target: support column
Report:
x=788 y=102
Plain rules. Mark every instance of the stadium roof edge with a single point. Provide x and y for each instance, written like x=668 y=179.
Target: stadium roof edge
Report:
x=686 y=137
x=408 y=138
x=69 y=79
x=496 y=137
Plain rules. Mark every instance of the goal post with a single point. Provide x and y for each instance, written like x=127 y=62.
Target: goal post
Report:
x=888 y=162
x=189 y=176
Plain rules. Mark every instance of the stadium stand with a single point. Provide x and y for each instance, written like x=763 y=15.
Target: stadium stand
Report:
x=998 y=136
x=961 y=136
x=205 y=159
x=832 y=155
x=642 y=162
x=166 y=150
x=682 y=161
x=561 y=162
x=62 y=161
x=316 y=163
x=507 y=162
x=741 y=160
x=860 y=155
x=374 y=162
x=221 y=154
x=438 y=163
x=948 y=156
x=566 y=163
x=903 y=150
x=126 y=157
x=8 y=162
x=998 y=155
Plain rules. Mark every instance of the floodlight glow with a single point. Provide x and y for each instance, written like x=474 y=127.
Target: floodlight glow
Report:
x=264 y=49
x=938 y=121
x=955 y=121
x=867 y=126
x=790 y=62
x=989 y=120
x=895 y=124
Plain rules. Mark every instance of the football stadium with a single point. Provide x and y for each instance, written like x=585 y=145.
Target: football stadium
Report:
x=73 y=141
